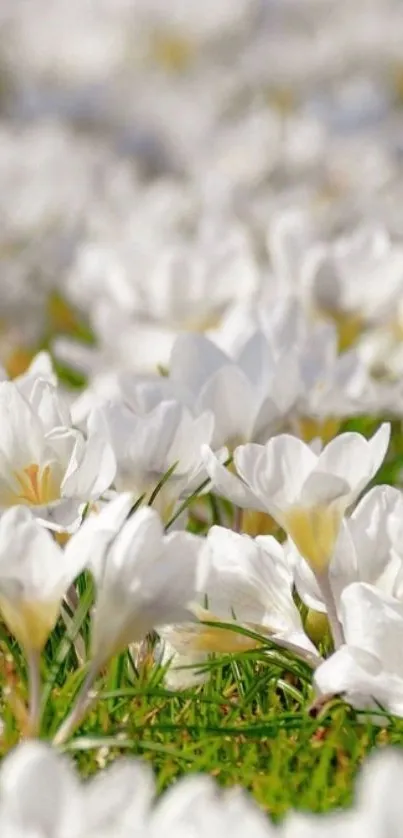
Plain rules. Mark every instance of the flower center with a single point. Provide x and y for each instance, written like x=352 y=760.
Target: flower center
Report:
x=37 y=486
x=171 y=51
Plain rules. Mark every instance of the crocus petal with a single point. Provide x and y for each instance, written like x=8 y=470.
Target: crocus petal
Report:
x=227 y=484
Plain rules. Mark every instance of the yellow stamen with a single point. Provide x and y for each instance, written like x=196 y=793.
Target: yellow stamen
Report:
x=37 y=487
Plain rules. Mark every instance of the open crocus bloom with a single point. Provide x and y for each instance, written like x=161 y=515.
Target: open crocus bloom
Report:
x=245 y=582
x=45 y=463
x=306 y=493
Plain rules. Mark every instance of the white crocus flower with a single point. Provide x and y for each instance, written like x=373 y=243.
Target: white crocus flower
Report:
x=289 y=236
x=281 y=318
x=360 y=274
x=246 y=582
x=35 y=574
x=185 y=664
x=149 y=284
x=41 y=795
x=378 y=797
x=147 y=444
x=376 y=810
x=333 y=385
x=249 y=395
x=144 y=579
x=40 y=367
x=364 y=551
x=196 y=807
x=368 y=668
x=45 y=463
x=330 y=385
x=191 y=283
x=306 y=493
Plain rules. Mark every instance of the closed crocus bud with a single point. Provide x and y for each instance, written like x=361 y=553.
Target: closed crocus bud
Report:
x=35 y=574
x=144 y=579
x=316 y=625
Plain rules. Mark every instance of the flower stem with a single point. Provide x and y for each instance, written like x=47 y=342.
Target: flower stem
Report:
x=80 y=708
x=329 y=601
x=34 y=676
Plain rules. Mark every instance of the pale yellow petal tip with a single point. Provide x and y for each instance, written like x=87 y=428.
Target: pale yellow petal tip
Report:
x=30 y=622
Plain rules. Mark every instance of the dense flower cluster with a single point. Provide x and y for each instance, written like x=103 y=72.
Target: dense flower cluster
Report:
x=41 y=796
x=201 y=209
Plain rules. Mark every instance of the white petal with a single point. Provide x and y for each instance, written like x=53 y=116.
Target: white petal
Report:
x=39 y=792
x=354 y=459
x=277 y=470
x=230 y=397
x=227 y=484
x=119 y=798
x=194 y=359
x=373 y=621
